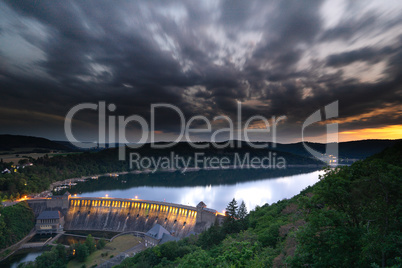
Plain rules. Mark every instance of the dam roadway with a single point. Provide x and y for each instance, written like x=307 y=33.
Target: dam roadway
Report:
x=126 y=215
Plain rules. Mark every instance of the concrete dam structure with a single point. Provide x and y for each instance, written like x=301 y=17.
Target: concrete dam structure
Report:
x=125 y=215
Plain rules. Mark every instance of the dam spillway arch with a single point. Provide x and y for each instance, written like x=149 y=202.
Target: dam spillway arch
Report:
x=125 y=215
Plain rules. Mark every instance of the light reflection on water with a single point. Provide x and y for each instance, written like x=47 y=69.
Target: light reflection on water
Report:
x=218 y=196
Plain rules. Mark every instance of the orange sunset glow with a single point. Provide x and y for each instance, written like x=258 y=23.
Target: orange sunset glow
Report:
x=388 y=132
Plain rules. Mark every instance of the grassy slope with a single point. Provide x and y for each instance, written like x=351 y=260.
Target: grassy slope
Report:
x=118 y=245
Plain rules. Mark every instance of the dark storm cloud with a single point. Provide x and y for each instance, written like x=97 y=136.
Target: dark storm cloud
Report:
x=283 y=36
x=367 y=54
x=203 y=57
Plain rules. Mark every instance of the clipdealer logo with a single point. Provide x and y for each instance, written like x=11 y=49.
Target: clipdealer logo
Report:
x=112 y=129
x=241 y=132
x=331 y=151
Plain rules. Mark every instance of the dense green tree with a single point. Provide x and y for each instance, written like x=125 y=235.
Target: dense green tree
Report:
x=61 y=252
x=231 y=209
x=90 y=243
x=213 y=236
x=198 y=258
x=242 y=211
x=54 y=258
x=81 y=252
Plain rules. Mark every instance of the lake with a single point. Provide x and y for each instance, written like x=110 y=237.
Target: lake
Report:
x=253 y=187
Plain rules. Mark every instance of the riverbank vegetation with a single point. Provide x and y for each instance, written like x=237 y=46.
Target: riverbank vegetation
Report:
x=350 y=218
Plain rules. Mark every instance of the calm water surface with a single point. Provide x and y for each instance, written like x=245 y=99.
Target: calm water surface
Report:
x=253 y=193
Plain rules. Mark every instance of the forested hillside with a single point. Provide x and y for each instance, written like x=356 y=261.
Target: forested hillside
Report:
x=347 y=150
x=45 y=170
x=15 y=223
x=9 y=142
x=350 y=218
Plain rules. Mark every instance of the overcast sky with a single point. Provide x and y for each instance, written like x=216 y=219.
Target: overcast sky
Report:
x=275 y=57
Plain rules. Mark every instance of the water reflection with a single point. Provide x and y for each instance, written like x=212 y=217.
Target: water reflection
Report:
x=19 y=257
x=253 y=193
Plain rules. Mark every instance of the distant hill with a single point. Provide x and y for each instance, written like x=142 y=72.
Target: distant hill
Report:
x=11 y=142
x=352 y=149
x=68 y=145
x=347 y=150
x=392 y=155
x=185 y=149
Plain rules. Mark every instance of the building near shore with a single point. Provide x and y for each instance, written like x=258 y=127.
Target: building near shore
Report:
x=49 y=222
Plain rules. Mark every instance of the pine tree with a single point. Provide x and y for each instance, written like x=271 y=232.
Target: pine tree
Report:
x=242 y=211
x=231 y=209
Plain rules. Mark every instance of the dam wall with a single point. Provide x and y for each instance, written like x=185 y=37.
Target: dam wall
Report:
x=59 y=203
x=125 y=215
x=37 y=206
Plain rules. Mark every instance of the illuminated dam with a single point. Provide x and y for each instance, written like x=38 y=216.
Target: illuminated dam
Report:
x=125 y=215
